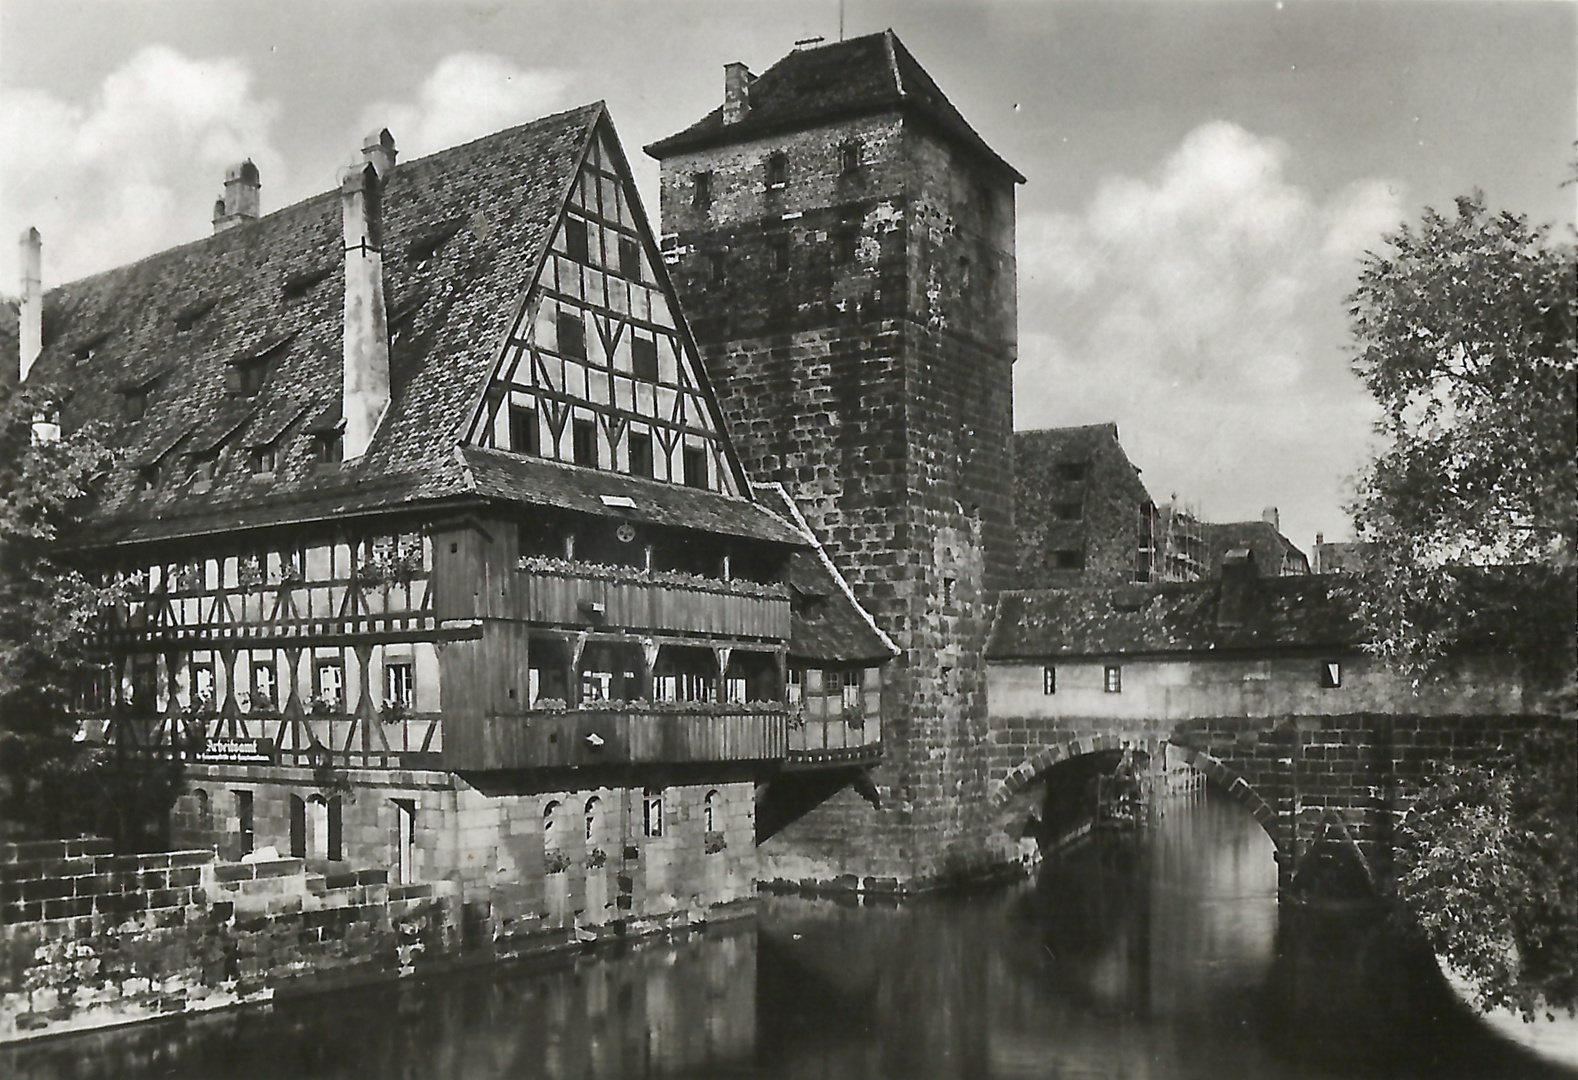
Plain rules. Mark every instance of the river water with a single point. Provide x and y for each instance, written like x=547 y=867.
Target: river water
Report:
x=1158 y=959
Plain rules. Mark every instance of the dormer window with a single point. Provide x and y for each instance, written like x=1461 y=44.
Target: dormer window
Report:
x=87 y=350
x=777 y=170
x=192 y=314
x=265 y=459
x=148 y=477
x=328 y=447
x=298 y=285
x=204 y=466
x=245 y=377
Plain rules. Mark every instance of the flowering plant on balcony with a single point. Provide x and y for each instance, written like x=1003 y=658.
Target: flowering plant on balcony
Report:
x=393 y=712
x=546 y=564
x=555 y=861
x=596 y=859
x=714 y=842
x=323 y=705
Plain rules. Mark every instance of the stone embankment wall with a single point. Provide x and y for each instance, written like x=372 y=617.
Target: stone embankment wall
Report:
x=91 y=939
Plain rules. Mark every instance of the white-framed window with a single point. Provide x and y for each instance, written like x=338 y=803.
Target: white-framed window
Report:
x=652 y=813
x=1049 y=679
x=1330 y=674
x=1112 y=679
x=850 y=678
x=405 y=840
x=331 y=681
x=265 y=684
x=795 y=688
x=400 y=683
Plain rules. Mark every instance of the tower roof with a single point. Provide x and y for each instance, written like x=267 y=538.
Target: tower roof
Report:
x=859 y=77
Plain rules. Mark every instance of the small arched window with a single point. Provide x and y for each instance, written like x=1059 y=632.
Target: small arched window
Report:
x=709 y=811
x=593 y=805
x=205 y=810
x=549 y=813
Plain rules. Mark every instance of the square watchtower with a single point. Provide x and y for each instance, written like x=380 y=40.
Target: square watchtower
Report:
x=842 y=242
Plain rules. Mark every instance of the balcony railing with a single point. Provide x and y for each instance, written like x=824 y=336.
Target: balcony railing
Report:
x=837 y=740
x=588 y=594
x=642 y=733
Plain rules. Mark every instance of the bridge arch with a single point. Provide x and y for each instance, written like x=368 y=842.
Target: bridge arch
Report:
x=1222 y=776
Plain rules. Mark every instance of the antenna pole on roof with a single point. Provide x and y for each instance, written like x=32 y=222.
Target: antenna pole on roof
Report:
x=840 y=20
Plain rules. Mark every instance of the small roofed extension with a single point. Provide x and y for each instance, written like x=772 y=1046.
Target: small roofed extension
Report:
x=425 y=473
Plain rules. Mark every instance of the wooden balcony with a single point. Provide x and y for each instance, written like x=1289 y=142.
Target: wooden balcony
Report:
x=642 y=734
x=815 y=743
x=583 y=594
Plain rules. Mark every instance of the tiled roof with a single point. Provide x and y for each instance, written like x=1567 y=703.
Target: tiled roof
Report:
x=497 y=474
x=827 y=624
x=1285 y=612
x=861 y=76
x=464 y=234
x=1500 y=605
x=1064 y=443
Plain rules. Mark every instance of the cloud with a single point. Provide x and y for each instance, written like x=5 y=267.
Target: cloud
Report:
x=468 y=95
x=1202 y=309
x=133 y=171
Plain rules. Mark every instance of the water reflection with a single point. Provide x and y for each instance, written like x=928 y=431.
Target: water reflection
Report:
x=1165 y=959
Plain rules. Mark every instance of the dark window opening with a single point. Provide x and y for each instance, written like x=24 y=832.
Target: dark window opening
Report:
x=1068 y=511
x=265 y=459
x=247 y=822
x=640 y=454
x=148 y=477
x=695 y=467
x=849 y=157
x=1069 y=560
x=245 y=377
x=1071 y=472
x=715 y=268
x=1330 y=674
x=136 y=403
x=575 y=243
x=777 y=170
x=778 y=254
x=845 y=244
x=643 y=359
x=572 y=335
x=300 y=285
x=585 y=443
x=192 y=314
x=1049 y=679
x=1112 y=679
x=949 y=588
x=523 y=430
x=328 y=447
x=630 y=258
x=701 y=195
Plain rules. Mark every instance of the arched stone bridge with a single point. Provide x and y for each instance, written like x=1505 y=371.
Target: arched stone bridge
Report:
x=1324 y=785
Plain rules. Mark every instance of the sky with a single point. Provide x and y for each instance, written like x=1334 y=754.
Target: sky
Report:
x=1203 y=178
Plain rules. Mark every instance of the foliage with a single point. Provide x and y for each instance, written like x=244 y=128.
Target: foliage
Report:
x=48 y=780
x=1486 y=867
x=555 y=861
x=1466 y=339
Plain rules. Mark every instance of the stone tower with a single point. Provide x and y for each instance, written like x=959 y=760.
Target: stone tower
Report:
x=843 y=245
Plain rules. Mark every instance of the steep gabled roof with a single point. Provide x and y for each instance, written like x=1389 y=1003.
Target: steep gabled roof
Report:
x=466 y=233
x=858 y=77
x=827 y=623
x=275 y=286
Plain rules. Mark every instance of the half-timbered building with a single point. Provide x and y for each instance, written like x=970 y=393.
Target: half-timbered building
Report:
x=442 y=559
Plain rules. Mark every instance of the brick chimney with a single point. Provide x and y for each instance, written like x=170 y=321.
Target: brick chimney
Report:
x=30 y=311
x=365 y=377
x=737 y=79
x=240 y=202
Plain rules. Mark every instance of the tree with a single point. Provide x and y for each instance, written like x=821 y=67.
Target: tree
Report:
x=1466 y=339
x=49 y=782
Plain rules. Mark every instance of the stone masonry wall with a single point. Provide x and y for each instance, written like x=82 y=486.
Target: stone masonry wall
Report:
x=90 y=939
x=526 y=863
x=861 y=340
